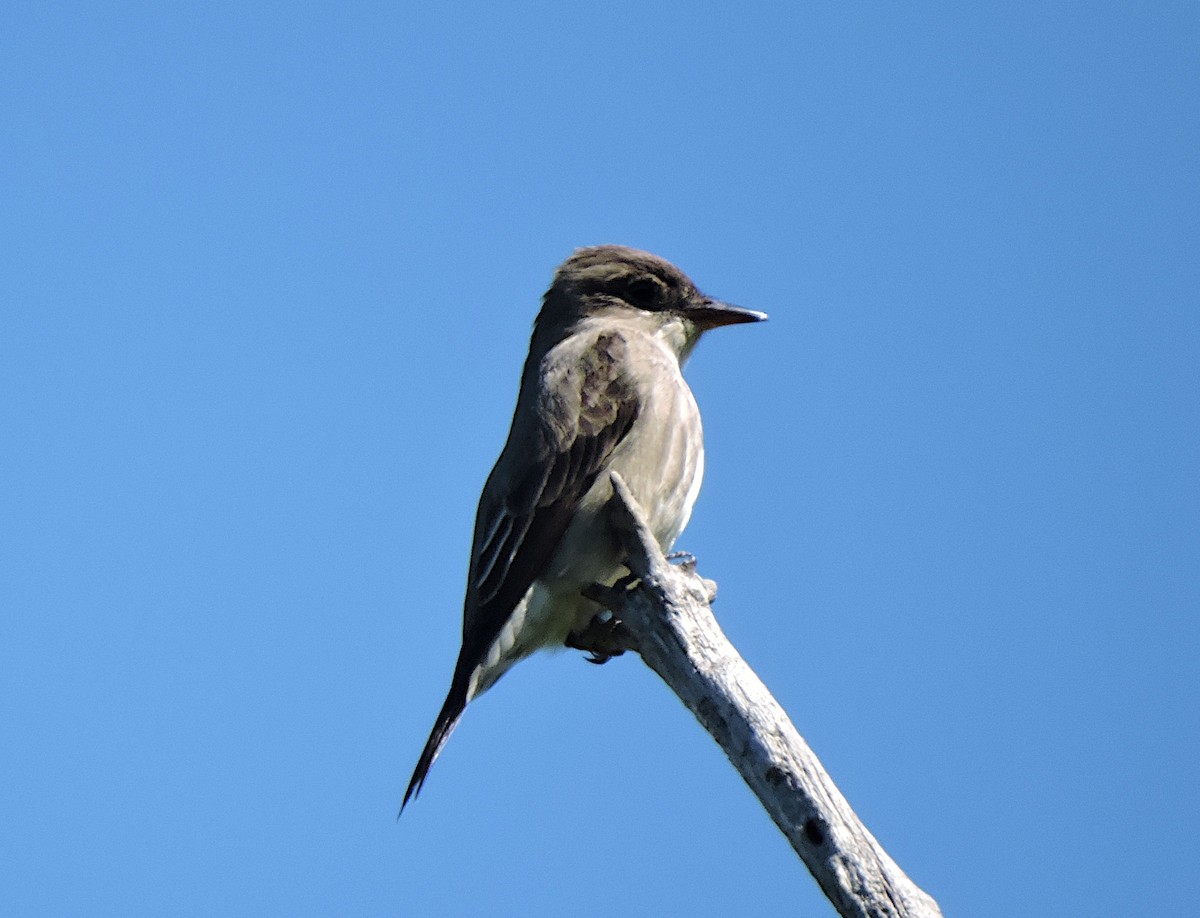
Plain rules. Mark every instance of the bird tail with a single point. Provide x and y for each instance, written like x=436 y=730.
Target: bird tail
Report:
x=447 y=720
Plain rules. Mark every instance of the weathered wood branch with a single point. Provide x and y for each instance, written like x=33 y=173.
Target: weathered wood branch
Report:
x=673 y=628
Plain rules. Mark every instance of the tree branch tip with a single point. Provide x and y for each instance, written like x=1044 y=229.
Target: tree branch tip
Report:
x=630 y=522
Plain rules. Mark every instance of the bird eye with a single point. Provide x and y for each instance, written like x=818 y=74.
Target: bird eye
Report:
x=641 y=291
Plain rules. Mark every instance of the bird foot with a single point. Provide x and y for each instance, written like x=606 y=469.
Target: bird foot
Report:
x=684 y=559
x=610 y=596
x=604 y=637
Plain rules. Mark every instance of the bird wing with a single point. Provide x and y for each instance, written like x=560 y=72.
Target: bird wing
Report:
x=587 y=405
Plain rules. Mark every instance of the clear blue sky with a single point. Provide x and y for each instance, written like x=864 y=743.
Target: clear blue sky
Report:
x=266 y=280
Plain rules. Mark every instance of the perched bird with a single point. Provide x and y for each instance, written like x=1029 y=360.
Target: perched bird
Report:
x=602 y=390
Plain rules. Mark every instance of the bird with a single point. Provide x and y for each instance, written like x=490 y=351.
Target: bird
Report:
x=602 y=390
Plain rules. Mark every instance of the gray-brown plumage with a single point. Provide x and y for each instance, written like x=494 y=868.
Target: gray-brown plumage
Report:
x=602 y=390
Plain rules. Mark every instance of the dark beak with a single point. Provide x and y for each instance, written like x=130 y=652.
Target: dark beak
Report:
x=713 y=314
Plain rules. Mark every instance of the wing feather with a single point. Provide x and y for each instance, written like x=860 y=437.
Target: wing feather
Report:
x=587 y=407
x=587 y=404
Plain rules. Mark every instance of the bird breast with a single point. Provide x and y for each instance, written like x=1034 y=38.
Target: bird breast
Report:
x=661 y=460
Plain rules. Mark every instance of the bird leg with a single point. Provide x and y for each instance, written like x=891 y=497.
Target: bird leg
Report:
x=605 y=636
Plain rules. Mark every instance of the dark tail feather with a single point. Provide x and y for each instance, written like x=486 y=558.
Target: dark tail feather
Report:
x=447 y=720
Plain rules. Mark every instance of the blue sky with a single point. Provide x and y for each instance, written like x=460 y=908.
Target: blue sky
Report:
x=268 y=274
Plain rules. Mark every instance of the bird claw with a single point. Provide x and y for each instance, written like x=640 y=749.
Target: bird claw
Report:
x=625 y=583
x=604 y=637
x=684 y=559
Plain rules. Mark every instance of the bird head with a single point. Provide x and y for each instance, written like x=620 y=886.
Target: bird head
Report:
x=616 y=280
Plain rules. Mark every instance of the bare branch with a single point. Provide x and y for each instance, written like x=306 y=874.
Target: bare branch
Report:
x=674 y=630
